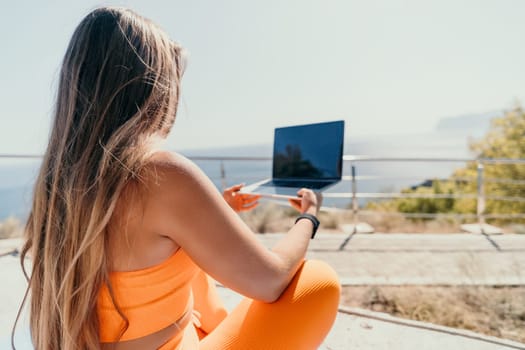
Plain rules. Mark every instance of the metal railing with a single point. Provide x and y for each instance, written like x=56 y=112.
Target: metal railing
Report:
x=354 y=195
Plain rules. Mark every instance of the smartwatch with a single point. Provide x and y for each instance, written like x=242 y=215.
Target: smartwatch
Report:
x=313 y=219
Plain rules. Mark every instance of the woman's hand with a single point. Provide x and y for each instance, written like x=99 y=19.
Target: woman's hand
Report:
x=240 y=201
x=309 y=201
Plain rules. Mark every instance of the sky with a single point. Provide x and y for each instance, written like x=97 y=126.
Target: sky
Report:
x=385 y=67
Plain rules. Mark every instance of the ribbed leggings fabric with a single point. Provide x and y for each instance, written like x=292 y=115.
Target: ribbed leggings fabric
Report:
x=299 y=320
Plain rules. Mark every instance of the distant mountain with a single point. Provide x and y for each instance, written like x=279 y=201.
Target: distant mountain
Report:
x=469 y=125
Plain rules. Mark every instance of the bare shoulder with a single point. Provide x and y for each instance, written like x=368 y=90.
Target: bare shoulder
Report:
x=173 y=180
x=166 y=168
x=170 y=162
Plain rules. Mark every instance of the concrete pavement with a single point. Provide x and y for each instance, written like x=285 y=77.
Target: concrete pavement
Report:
x=440 y=259
x=421 y=259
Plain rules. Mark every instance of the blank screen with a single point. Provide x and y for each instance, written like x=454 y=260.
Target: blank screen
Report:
x=312 y=151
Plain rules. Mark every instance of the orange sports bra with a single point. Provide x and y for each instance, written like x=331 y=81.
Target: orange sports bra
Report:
x=152 y=299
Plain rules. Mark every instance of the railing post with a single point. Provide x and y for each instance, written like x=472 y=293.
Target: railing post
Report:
x=355 y=204
x=223 y=176
x=480 y=210
x=355 y=208
x=481 y=227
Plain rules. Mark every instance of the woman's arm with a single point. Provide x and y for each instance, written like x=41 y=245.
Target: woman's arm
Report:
x=196 y=217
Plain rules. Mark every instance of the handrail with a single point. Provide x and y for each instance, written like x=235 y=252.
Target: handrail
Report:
x=365 y=158
x=480 y=196
x=346 y=157
x=229 y=158
x=22 y=156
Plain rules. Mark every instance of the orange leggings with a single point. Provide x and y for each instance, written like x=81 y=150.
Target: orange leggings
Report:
x=300 y=319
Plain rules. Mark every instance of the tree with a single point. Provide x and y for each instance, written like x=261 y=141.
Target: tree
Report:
x=505 y=139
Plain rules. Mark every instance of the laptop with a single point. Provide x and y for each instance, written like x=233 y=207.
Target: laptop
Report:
x=309 y=156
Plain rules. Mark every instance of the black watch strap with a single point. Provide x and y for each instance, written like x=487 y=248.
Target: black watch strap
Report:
x=313 y=219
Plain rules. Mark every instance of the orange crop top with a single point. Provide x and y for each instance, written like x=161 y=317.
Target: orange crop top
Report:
x=151 y=298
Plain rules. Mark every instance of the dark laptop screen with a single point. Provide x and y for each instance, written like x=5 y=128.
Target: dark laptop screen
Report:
x=312 y=151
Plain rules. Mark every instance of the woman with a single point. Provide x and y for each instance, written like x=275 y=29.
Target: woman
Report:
x=123 y=236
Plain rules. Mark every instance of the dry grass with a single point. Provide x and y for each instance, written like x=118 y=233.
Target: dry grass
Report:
x=10 y=228
x=267 y=217
x=395 y=222
x=493 y=311
x=331 y=220
x=270 y=217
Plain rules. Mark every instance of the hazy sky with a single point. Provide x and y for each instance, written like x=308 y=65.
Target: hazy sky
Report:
x=388 y=66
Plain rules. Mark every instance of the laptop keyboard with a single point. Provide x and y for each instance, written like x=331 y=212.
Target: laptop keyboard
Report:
x=298 y=184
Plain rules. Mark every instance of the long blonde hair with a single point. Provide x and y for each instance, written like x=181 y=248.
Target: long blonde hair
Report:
x=118 y=86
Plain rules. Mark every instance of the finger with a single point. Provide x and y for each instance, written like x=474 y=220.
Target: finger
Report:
x=250 y=199
x=233 y=188
x=237 y=187
x=294 y=201
x=295 y=204
x=302 y=192
x=249 y=206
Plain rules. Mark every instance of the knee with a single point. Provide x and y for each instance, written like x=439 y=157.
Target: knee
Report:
x=315 y=283
x=319 y=278
x=312 y=298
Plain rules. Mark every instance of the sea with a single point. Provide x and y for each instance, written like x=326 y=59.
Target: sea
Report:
x=17 y=176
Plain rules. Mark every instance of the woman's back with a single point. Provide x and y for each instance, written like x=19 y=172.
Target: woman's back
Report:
x=142 y=254
x=135 y=236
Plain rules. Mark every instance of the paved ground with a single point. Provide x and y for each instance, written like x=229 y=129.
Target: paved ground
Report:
x=430 y=259
x=367 y=259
